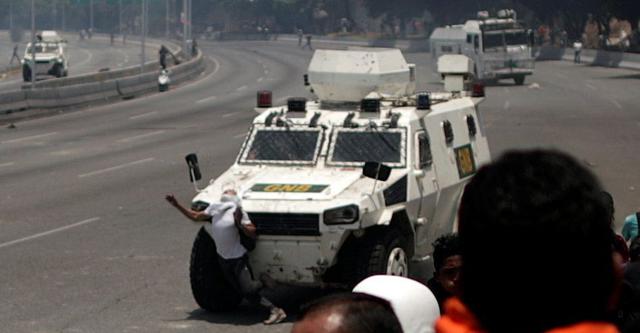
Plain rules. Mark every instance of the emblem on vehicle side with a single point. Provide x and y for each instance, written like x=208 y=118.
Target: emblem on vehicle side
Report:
x=465 y=161
x=300 y=188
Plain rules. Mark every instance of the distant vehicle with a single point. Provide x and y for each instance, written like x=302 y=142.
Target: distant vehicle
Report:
x=500 y=47
x=359 y=182
x=50 y=59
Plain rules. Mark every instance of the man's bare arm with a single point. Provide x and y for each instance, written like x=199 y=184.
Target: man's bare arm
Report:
x=189 y=213
x=249 y=230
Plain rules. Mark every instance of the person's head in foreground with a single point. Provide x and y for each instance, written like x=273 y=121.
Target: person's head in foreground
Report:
x=536 y=245
x=348 y=313
x=447 y=260
x=412 y=302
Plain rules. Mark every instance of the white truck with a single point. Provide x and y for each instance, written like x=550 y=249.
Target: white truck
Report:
x=500 y=47
x=50 y=58
x=359 y=181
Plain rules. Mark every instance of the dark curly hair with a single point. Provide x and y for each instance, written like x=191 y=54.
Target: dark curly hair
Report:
x=536 y=244
x=444 y=247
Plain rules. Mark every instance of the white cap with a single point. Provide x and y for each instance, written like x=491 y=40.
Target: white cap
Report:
x=413 y=303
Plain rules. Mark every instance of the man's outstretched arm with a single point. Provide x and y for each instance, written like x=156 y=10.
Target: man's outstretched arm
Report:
x=189 y=213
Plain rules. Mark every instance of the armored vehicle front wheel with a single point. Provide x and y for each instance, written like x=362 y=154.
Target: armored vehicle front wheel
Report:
x=210 y=289
x=386 y=253
x=58 y=71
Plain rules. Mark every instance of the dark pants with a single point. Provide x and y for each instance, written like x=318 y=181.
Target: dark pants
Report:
x=239 y=275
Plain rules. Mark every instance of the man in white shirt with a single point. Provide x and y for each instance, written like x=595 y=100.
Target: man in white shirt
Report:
x=232 y=256
x=577 y=49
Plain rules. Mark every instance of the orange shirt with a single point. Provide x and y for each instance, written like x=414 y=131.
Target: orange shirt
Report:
x=459 y=319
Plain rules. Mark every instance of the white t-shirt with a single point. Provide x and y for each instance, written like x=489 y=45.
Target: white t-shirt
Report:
x=577 y=46
x=224 y=231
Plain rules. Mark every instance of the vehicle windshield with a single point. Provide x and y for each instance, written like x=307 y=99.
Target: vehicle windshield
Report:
x=353 y=147
x=498 y=39
x=282 y=145
x=42 y=48
x=516 y=38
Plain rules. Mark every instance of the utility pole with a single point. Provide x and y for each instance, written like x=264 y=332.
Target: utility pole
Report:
x=55 y=14
x=185 y=19
x=64 y=19
x=91 y=17
x=11 y=16
x=33 y=44
x=166 y=21
x=190 y=21
x=120 y=16
x=144 y=34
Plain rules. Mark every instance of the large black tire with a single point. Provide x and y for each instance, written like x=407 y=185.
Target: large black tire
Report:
x=519 y=80
x=58 y=71
x=210 y=289
x=371 y=255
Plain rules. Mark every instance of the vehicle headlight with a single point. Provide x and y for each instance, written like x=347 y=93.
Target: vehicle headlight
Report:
x=341 y=215
x=199 y=206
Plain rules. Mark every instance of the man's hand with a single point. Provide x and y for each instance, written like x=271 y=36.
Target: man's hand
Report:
x=171 y=199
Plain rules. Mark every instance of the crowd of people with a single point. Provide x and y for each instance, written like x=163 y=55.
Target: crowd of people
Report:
x=534 y=252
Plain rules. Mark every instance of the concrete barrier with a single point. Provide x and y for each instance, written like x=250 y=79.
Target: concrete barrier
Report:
x=12 y=101
x=592 y=57
x=96 y=91
x=112 y=74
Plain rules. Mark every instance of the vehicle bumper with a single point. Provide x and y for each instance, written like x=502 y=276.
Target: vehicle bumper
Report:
x=295 y=260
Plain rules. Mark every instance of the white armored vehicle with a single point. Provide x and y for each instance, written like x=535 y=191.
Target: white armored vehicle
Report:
x=50 y=58
x=500 y=47
x=359 y=181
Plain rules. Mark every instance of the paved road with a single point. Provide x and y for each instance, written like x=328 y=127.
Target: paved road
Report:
x=87 y=56
x=88 y=245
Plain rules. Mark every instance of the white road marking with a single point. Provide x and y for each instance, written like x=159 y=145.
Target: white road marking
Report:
x=7 y=164
x=89 y=57
x=33 y=137
x=143 y=115
x=618 y=105
x=227 y=115
x=47 y=233
x=117 y=167
x=507 y=105
x=266 y=72
x=241 y=88
x=260 y=79
x=590 y=86
x=208 y=99
x=217 y=65
x=133 y=138
x=238 y=136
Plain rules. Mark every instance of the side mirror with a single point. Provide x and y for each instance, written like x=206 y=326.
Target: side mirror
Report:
x=377 y=171
x=476 y=42
x=194 y=167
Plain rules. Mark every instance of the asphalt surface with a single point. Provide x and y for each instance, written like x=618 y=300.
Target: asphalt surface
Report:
x=87 y=243
x=84 y=56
